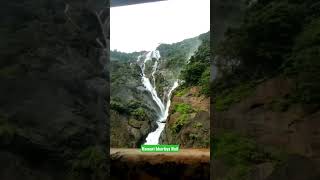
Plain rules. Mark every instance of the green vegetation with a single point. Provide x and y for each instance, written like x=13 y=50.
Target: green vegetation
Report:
x=173 y=59
x=263 y=40
x=180 y=122
x=193 y=72
x=197 y=125
x=230 y=96
x=160 y=83
x=181 y=91
x=120 y=78
x=134 y=108
x=176 y=54
x=204 y=81
x=240 y=153
x=197 y=71
x=134 y=123
x=304 y=64
x=125 y=57
x=275 y=37
x=183 y=108
x=139 y=114
x=193 y=136
x=117 y=106
x=134 y=104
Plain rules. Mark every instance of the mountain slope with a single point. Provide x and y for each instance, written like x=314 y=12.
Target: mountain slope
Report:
x=132 y=107
x=53 y=91
x=266 y=94
x=188 y=123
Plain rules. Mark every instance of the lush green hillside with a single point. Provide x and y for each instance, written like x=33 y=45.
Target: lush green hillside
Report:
x=189 y=122
x=53 y=92
x=122 y=56
x=177 y=54
x=276 y=37
x=266 y=94
x=197 y=71
x=132 y=107
x=174 y=57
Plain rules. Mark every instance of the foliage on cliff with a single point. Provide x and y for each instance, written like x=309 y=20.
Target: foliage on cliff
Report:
x=122 y=56
x=176 y=54
x=54 y=87
x=240 y=154
x=197 y=71
x=126 y=87
x=275 y=37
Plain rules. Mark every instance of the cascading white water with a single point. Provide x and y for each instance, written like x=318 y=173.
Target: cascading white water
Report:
x=154 y=69
x=146 y=81
x=153 y=137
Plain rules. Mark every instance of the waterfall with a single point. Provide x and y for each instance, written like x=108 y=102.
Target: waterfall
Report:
x=154 y=69
x=147 y=84
x=153 y=137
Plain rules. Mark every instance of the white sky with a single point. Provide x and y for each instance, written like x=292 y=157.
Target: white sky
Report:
x=144 y=26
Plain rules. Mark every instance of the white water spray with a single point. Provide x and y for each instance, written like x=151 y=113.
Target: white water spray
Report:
x=146 y=81
x=154 y=69
x=153 y=137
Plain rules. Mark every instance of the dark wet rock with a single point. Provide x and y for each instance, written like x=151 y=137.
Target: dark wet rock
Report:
x=53 y=90
x=129 y=132
x=219 y=169
x=295 y=168
x=261 y=171
x=269 y=117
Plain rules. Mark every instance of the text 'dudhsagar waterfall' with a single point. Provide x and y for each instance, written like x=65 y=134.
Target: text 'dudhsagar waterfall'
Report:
x=153 y=137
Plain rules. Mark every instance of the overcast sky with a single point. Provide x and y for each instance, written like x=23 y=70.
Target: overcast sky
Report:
x=144 y=26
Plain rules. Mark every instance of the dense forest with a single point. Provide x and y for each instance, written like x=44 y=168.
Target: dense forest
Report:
x=197 y=71
x=276 y=37
x=266 y=93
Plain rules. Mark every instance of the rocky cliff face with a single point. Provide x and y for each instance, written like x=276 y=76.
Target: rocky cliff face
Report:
x=133 y=113
x=133 y=110
x=227 y=14
x=189 y=117
x=262 y=128
x=269 y=116
x=189 y=120
x=54 y=89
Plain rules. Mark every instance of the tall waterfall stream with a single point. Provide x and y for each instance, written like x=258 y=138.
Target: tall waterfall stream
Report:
x=153 y=137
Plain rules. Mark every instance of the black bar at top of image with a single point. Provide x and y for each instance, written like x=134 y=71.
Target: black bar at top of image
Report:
x=115 y=3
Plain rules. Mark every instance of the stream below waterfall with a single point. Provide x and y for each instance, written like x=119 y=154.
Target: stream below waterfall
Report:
x=153 y=137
